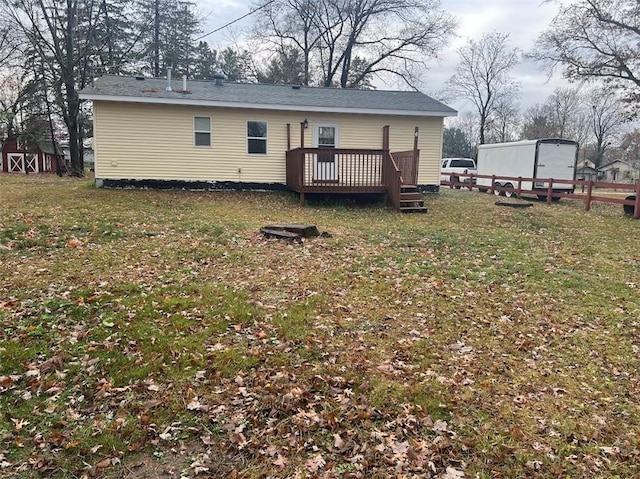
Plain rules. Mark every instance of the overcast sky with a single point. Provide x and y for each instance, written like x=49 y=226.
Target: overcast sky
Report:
x=523 y=20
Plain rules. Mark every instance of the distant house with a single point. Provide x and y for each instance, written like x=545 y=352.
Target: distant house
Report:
x=586 y=171
x=215 y=134
x=619 y=171
x=38 y=156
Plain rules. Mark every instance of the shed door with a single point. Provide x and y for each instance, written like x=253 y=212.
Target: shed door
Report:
x=16 y=163
x=31 y=163
x=325 y=167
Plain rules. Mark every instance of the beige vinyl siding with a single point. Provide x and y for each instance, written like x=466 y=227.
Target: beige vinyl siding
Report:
x=149 y=141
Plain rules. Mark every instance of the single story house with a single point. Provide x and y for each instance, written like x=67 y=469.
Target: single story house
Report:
x=38 y=156
x=587 y=171
x=619 y=171
x=152 y=132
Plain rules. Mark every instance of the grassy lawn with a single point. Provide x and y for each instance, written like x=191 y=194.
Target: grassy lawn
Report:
x=157 y=334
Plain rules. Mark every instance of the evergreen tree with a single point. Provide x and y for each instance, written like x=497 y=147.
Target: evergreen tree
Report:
x=167 y=29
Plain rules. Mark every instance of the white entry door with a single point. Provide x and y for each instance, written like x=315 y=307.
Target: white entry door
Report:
x=16 y=162
x=325 y=165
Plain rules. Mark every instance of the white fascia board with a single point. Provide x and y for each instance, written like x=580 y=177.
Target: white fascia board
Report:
x=261 y=106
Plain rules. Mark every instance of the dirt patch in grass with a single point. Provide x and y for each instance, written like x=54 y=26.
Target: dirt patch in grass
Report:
x=158 y=334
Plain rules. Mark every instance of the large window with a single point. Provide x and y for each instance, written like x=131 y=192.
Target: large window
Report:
x=202 y=131
x=257 y=137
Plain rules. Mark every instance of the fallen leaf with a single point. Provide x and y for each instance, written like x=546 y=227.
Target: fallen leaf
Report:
x=281 y=461
x=315 y=463
x=452 y=473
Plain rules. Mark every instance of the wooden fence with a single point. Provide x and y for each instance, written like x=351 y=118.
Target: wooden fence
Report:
x=630 y=205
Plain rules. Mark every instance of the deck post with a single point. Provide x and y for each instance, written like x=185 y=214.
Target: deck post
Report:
x=301 y=198
x=550 y=191
x=385 y=137
x=416 y=157
x=302 y=134
x=636 y=206
x=288 y=136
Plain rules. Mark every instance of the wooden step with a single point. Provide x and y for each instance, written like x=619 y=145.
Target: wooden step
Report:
x=413 y=209
x=411 y=196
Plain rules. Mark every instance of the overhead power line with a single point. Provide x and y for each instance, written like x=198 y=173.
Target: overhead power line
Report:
x=236 y=20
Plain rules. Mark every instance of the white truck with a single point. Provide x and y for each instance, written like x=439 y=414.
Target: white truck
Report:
x=544 y=159
x=452 y=168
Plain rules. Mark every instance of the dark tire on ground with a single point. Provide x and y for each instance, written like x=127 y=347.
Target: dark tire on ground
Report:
x=498 y=190
x=483 y=190
x=542 y=197
x=456 y=179
x=555 y=199
x=628 y=209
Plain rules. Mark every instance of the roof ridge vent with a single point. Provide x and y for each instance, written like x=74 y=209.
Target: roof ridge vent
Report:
x=219 y=78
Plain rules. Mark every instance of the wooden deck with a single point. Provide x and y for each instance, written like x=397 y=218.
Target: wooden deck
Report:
x=356 y=171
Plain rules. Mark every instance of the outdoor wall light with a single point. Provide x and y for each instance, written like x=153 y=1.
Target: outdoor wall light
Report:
x=305 y=124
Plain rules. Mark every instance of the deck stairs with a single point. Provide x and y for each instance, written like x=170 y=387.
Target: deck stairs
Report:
x=411 y=200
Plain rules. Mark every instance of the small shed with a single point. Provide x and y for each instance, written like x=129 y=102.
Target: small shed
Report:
x=39 y=156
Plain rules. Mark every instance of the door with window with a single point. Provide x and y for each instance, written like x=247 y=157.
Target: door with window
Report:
x=326 y=167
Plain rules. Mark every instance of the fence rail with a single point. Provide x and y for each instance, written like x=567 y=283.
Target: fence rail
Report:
x=631 y=204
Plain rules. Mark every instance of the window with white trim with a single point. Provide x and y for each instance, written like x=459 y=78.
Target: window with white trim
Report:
x=202 y=131
x=257 y=137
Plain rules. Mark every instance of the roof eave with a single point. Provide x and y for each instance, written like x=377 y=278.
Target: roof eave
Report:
x=263 y=106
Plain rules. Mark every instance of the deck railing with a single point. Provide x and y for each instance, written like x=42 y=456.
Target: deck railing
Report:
x=335 y=170
x=340 y=170
x=407 y=162
x=392 y=179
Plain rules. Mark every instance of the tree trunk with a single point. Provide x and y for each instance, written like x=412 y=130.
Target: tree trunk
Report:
x=156 y=39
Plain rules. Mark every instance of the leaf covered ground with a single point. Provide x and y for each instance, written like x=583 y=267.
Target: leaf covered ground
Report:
x=158 y=334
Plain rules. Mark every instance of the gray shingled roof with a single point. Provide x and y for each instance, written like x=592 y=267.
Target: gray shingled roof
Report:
x=250 y=95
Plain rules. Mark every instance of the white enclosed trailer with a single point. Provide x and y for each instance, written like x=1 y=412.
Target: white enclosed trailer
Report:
x=538 y=159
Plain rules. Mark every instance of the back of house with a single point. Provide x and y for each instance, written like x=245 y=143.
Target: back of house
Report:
x=216 y=134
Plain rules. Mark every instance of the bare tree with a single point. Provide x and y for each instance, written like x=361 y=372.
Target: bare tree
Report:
x=483 y=75
x=607 y=117
x=562 y=115
x=59 y=36
x=345 y=42
x=565 y=106
x=595 y=39
x=537 y=123
x=8 y=45
x=504 y=123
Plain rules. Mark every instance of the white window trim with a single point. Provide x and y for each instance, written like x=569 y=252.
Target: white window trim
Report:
x=319 y=124
x=203 y=131
x=265 y=138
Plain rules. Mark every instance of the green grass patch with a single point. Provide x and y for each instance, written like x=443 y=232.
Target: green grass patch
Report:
x=160 y=329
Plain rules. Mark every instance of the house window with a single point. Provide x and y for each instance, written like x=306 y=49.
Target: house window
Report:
x=202 y=131
x=257 y=137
